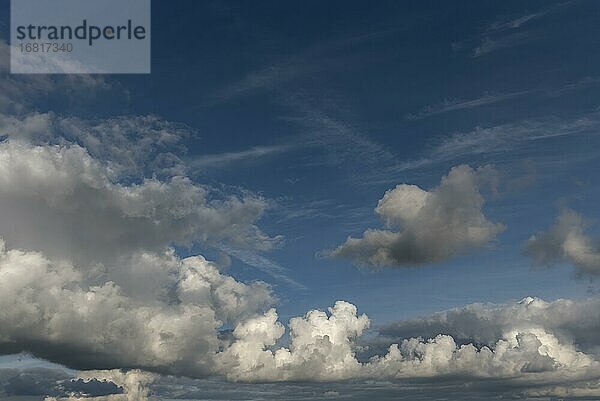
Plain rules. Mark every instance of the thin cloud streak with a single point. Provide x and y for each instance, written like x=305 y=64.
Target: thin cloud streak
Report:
x=263 y=264
x=453 y=105
x=505 y=33
x=487 y=99
x=313 y=59
x=347 y=145
x=500 y=144
x=222 y=159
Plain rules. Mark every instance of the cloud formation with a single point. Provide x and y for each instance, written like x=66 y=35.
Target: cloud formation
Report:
x=60 y=200
x=134 y=384
x=323 y=348
x=571 y=321
x=432 y=225
x=566 y=241
x=51 y=312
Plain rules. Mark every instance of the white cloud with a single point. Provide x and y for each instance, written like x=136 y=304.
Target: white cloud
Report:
x=60 y=200
x=507 y=32
x=566 y=241
x=51 y=310
x=571 y=321
x=223 y=159
x=432 y=225
x=322 y=348
x=132 y=146
x=459 y=104
x=263 y=264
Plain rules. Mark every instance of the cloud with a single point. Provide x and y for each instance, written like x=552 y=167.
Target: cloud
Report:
x=571 y=321
x=322 y=348
x=507 y=32
x=323 y=56
x=566 y=241
x=31 y=382
x=133 y=382
x=453 y=105
x=60 y=200
x=505 y=144
x=224 y=159
x=433 y=225
x=264 y=264
x=490 y=43
x=450 y=105
x=132 y=146
x=51 y=311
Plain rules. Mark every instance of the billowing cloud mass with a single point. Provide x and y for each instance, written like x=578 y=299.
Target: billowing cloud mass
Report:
x=567 y=242
x=571 y=321
x=50 y=310
x=90 y=213
x=322 y=348
x=431 y=225
x=52 y=313
x=60 y=200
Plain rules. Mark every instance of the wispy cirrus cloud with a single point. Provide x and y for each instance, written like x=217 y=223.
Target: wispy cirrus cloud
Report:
x=508 y=32
x=459 y=104
x=319 y=57
x=344 y=143
x=504 y=143
x=450 y=105
x=263 y=264
x=218 y=160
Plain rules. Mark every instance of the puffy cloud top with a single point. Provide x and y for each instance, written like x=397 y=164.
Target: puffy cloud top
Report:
x=50 y=311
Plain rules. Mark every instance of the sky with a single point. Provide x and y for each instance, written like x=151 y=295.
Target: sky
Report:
x=304 y=200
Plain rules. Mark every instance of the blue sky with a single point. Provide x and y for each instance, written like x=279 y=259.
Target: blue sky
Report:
x=320 y=108
x=377 y=89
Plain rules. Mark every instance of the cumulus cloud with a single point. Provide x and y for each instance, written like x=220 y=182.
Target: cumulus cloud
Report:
x=320 y=347
x=323 y=348
x=60 y=200
x=49 y=311
x=89 y=211
x=132 y=146
x=566 y=241
x=571 y=321
x=431 y=225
